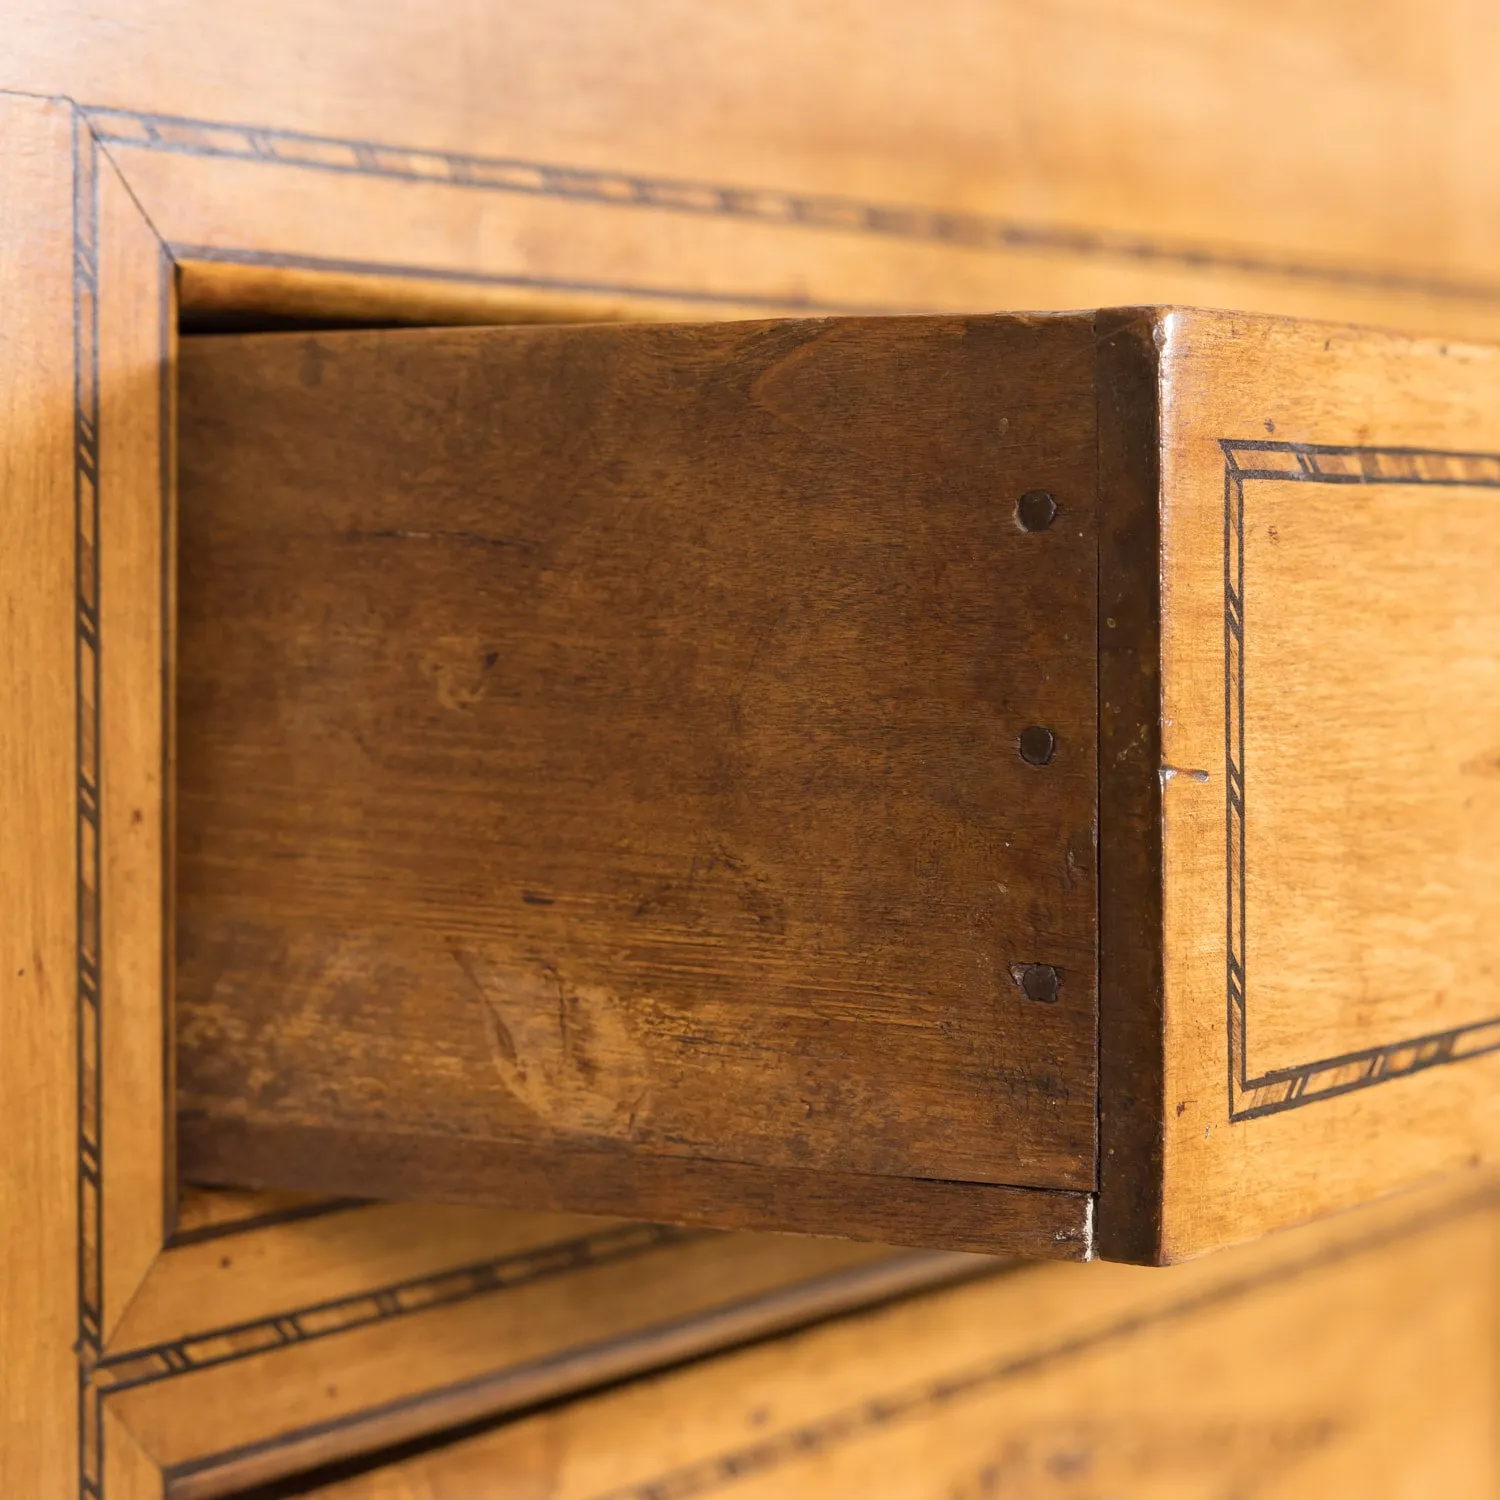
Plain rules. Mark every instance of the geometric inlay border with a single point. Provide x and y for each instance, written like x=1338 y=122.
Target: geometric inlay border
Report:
x=1247 y=460
x=180 y=135
x=208 y=1347
x=89 y=999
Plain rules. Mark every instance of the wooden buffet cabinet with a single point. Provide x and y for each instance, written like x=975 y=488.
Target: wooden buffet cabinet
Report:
x=535 y=852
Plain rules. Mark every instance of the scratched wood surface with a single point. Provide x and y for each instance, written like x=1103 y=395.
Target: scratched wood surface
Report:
x=1361 y=905
x=1357 y=1358
x=603 y=745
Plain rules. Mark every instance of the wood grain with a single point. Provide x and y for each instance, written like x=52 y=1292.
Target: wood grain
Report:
x=214 y=1213
x=1132 y=1090
x=39 y=1249
x=130 y=1473
x=262 y=1354
x=136 y=315
x=1301 y=1367
x=247 y=296
x=912 y=1211
x=599 y=758
x=1323 y=160
x=1328 y=698
x=1362 y=907
x=250 y=1276
x=135 y=1373
x=1279 y=160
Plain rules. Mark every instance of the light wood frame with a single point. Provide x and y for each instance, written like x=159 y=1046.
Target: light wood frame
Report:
x=140 y=1358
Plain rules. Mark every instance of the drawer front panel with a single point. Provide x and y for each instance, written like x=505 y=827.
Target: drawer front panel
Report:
x=1357 y=1359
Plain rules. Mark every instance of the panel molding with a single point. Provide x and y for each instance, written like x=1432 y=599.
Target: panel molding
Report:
x=1247 y=460
x=204 y=1348
x=268 y=145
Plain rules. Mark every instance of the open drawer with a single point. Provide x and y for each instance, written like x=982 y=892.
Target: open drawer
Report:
x=1028 y=784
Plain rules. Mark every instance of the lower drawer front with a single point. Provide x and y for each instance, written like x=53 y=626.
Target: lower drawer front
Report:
x=1358 y=1359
